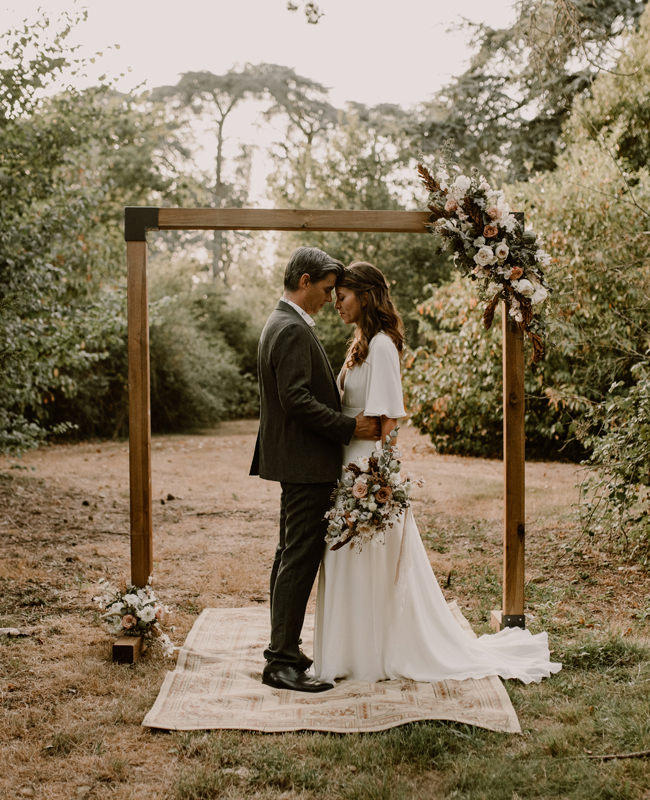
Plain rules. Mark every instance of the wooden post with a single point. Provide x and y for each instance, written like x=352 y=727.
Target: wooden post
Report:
x=139 y=413
x=514 y=463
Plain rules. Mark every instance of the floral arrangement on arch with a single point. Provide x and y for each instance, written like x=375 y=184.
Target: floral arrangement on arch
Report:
x=135 y=612
x=491 y=246
x=369 y=498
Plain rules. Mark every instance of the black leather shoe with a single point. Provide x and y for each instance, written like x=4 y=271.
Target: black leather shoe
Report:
x=293 y=679
x=304 y=662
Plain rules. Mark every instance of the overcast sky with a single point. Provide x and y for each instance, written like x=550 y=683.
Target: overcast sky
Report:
x=369 y=51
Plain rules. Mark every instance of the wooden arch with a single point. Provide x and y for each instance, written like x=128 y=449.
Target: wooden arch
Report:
x=139 y=220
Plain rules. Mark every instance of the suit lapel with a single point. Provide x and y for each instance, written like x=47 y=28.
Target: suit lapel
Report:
x=282 y=306
x=322 y=349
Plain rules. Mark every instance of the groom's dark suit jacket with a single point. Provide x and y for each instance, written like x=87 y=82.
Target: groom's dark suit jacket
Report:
x=302 y=429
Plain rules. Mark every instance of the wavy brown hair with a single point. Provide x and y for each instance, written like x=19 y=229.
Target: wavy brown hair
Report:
x=377 y=314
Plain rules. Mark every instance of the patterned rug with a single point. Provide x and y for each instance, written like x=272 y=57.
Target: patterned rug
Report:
x=217 y=683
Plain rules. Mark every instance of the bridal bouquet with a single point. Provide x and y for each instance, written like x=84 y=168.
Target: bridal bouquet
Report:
x=490 y=246
x=369 y=498
x=134 y=612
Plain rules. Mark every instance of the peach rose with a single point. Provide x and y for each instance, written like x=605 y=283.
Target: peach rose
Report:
x=451 y=205
x=493 y=212
x=359 y=490
x=129 y=621
x=489 y=231
x=516 y=273
x=384 y=494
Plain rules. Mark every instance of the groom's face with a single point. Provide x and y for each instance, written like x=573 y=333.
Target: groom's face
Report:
x=319 y=293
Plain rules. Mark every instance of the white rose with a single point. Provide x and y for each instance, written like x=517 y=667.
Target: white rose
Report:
x=116 y=608
x=539 y=295
x=363 y=464
x=485 y=256
x=501 y=250
x=372 y=506
x=131 y=599
x=462 y=184
x=524 y=287
x=147 y=614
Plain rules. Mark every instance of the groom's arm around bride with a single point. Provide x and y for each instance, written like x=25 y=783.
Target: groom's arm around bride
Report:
x=300 y=440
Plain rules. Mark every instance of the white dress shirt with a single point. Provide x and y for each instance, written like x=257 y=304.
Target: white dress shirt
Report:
x=301 y=311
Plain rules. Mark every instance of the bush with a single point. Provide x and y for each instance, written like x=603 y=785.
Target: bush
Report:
x=617 y=493
x=454 y=384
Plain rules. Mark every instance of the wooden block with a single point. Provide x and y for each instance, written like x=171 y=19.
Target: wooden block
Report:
x=128 y=649
x=496 y=620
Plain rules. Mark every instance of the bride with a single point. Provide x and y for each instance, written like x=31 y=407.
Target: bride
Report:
x=380 y=613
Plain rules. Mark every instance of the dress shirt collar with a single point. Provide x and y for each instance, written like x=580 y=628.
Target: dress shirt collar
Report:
x=301 y=311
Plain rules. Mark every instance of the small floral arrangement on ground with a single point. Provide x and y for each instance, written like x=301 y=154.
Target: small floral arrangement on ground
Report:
x=135 y=612
x=369 y=498
x=491 y=246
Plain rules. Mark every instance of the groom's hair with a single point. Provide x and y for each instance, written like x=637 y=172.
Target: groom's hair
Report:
x=312 y=261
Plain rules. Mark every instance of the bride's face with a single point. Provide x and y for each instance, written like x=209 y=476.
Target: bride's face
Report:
x=348 y=305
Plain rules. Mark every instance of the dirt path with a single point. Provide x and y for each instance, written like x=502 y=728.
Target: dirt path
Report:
x=71 y=719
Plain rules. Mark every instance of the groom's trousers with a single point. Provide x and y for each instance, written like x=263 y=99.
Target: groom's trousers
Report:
x=297 y=558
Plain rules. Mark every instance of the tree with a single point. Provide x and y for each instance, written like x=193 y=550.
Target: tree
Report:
x=590 y=395
x=507 y=109
x=213 y=98
x=312 y=11
x=360 y=165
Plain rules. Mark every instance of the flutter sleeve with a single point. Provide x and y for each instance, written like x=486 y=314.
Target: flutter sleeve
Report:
x=384 y=395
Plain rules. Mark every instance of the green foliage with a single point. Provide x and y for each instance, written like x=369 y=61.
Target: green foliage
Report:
x=69 y=162
x=617 y=492
x=592 y=212
x=507 y=110
x=203 y=353
x=50 y=240
x=454 y=384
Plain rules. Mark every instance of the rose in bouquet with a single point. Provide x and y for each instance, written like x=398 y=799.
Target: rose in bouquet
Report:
x=369 y=498
x=490 y=246
x=134 y=612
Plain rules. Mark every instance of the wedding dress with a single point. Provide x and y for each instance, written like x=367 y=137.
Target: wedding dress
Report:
x=374 y=624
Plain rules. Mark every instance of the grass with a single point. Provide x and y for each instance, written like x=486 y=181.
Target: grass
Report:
x=70 y=720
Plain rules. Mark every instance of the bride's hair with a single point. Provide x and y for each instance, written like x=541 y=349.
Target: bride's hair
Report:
x=377 y=314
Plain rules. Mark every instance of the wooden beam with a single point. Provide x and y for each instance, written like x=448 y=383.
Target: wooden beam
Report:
x=261 y=219
x=139 y=414
x=514 y=464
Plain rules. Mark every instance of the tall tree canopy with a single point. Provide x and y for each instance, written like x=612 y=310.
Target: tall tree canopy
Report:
x=507 y=109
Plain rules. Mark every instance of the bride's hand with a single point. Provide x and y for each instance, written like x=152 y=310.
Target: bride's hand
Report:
x=388 y=425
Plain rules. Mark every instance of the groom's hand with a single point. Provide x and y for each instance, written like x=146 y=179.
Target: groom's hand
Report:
x=367 y=427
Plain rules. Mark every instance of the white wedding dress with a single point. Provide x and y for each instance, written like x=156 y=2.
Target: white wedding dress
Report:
x=373 y=624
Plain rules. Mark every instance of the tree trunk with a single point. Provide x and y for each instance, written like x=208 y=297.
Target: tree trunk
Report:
x=217 y=240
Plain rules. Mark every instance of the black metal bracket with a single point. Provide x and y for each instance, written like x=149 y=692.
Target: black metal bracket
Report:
x=138 y=220
x=513 y=621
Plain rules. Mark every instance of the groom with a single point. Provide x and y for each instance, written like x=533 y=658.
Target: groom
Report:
x=301 y=436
